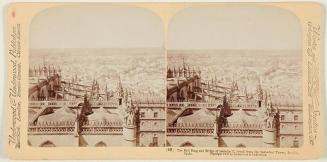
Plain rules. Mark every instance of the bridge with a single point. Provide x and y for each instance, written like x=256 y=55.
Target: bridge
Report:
x=43 y=83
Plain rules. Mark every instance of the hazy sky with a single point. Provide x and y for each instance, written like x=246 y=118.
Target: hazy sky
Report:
x=234 y=27
x=97 y=26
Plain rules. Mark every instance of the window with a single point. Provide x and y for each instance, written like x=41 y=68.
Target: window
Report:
x=296 y=142
x=282 y=117
x=120 y=101
x=142 y=114
x=296 y=126
x=155 y=141
x=47 y=144
x=101 y=144
x=296 y=117
x=155 y=114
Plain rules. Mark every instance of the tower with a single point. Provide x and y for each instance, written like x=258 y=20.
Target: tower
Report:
x=120 y=92
x=270 y=125
x=170 y=73
x=129 y=122
x=221 y=120
x=259 y=95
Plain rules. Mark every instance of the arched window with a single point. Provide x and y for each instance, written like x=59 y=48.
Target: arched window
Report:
x=241 y=145
x=181 y=95
x=172 y=99
x=47 y=144
x=100 y=144
x=296 y=117
x=296 y=142
x=187 y=144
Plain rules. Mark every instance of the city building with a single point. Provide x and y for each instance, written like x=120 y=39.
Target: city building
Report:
x=207 y=113
x=68 y=113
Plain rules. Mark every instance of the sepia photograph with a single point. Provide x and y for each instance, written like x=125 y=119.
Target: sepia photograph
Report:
x=234 y=77
x=96 y=77
x=164 y=81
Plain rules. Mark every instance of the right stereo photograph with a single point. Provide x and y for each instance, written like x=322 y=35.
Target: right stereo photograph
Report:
x=234 y=77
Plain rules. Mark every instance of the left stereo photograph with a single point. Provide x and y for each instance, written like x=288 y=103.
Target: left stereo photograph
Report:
x=107 y=89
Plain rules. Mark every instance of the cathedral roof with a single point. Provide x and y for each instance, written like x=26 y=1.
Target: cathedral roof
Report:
x=243 y=117
x=60 y=115
x=170 y=115
x=104 y=115
x=31 y=114
x=200 y=116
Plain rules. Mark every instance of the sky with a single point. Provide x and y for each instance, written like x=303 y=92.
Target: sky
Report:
x=253 y=27
x=96 y=26
x=236 y=27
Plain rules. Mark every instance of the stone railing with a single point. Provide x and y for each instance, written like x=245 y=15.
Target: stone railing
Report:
x=191 y=129
x=178 y=105
x=241 y=130
x=53 y=103
x=227 y=132
x=52 y=128
x=110 y=130
x=193 y=125
x=210 y=105
x=243 y=126
x=102 y=124
x=243 y=106
x=184 y=131
x=68 y=128
x=102 y=128
x=208 y=129
x=235 y=106
x=52 y=124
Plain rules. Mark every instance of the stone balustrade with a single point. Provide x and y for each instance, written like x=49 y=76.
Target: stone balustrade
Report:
x=52 y=128
x=235 y=106
x=193 y=125
x=52 y=124
x=208 y=129
x=114 y=104
x=53 y=103
x=102 y=130
x=102 y=124
x=178 y=105
x=68 y=128
x=191 y=131
x=226 y=132
x=243 y=126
